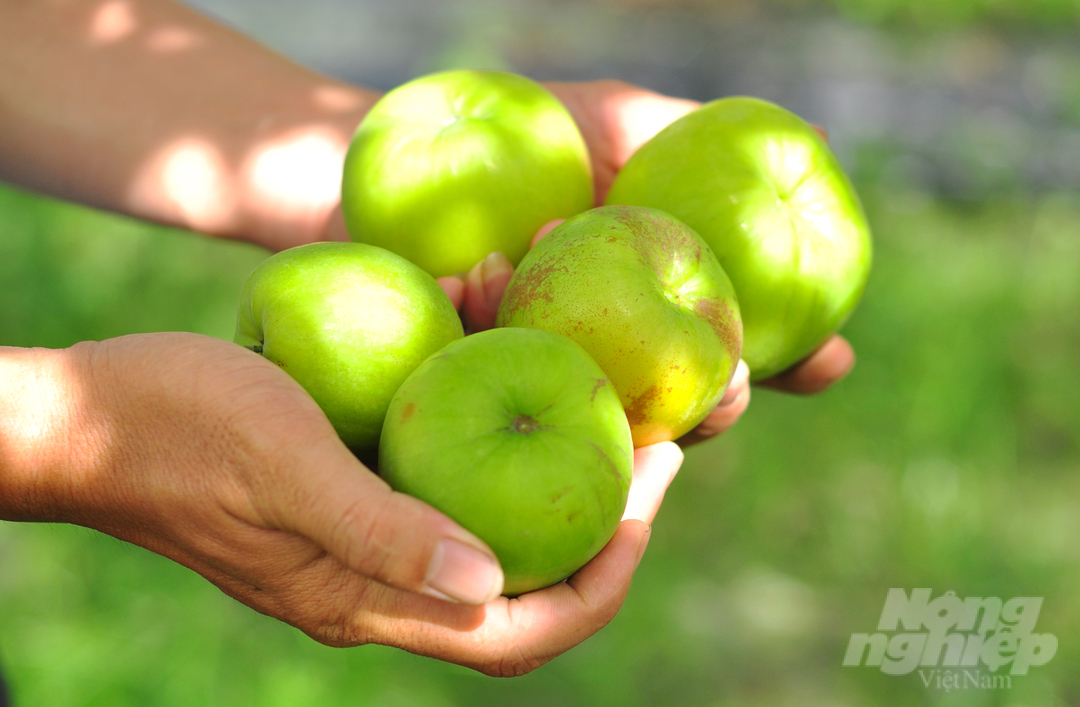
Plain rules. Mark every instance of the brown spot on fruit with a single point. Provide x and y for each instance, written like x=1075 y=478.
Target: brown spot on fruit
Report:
x=723 y=321
x=649 y=228
x=565 y=490
x=600 y=383
x=410 y=408
x=638 y=409
x=530 y=284
x=607 y=463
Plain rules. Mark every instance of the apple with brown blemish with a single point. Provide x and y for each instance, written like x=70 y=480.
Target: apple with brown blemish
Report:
x=518 y=436
x=644 y=295
x=764 y=190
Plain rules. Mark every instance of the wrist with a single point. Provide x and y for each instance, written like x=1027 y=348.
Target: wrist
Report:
x=47 y=438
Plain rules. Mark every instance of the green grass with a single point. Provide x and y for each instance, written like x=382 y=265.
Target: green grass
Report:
x=950 y=14
x=948 y=459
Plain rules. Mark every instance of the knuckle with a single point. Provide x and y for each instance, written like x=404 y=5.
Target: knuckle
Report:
x=384 y=541
x=337 y=623
x=354 y=518
x=512 y=662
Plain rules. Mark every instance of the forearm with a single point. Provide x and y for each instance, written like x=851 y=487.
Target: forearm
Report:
x=148 y=108
x=45 y=440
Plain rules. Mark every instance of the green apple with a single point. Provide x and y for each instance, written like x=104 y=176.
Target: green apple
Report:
x=763 y=189
x=518 y=436
x=640 y=291
x=349 y=322
x=453 y=166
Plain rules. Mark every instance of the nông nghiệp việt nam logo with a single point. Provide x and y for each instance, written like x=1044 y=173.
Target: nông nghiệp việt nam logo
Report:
x=954 y=642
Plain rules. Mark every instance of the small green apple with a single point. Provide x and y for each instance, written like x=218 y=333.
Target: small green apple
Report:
x=518 y=436
x=453 y=166
x=640 y=291
x=762 y=188
x=349 y=322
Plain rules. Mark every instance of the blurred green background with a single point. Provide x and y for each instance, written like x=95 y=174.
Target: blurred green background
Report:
x=948 y=459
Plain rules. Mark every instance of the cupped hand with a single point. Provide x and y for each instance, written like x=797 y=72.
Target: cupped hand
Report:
x=207 y=453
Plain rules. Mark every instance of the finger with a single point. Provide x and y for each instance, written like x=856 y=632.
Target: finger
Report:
x=655 y=467
x=385 y=535
x=825 y=366
x=727 y=412
x=336 y=230
x=454 y=287
x=544 y=230
x=615 y=119
x=592 y=597
x=484 y=289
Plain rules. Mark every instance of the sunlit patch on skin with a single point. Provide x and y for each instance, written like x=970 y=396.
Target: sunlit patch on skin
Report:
x=111 y=22
x=168 y=40
x=297 y=175
x=336 y=99
x=50 y=429
x=650 y=117
x=190 y=179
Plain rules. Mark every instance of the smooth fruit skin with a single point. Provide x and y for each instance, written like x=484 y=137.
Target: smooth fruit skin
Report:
x=517 y=435
x=450 y=167
x=763 y=189
x=349 y=322
x=641 y=292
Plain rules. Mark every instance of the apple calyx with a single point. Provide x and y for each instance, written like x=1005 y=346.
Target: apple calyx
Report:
x=524 y=424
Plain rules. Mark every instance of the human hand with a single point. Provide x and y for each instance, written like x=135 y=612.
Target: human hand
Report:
x=212 y=456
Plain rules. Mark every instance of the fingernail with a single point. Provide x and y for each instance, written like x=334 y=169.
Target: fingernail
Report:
x=454 y=287
x=494 y=267
x=463 y=574
x=738 y=382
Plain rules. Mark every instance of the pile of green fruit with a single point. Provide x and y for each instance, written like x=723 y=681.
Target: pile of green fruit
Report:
x=621 y=328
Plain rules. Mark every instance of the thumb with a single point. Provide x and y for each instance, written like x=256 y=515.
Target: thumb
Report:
x=484 y=287
x=389 y=536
